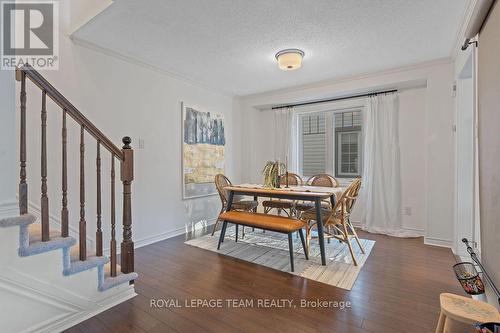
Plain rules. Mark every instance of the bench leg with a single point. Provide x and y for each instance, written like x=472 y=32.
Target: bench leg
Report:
x=236 y=236
x=222 y=233
x=290 y=246
x=303 y=243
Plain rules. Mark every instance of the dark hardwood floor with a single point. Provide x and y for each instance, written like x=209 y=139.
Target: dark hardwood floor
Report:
x=397 y=291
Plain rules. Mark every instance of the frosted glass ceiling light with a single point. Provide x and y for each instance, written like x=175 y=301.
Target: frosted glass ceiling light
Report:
x=290 y=59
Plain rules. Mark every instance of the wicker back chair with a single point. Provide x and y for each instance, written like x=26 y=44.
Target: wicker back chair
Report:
x=336 y=222
x=221 y=182
x=293 y=179
x=324 y=180
x=351 y=195
x=281 y=205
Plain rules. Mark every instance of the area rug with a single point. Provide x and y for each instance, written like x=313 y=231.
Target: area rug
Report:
x=270 y=249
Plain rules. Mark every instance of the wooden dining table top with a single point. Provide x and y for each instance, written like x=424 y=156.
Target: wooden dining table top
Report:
x=299 y=191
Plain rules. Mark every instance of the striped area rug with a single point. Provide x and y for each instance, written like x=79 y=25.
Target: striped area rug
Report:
x=270 y=249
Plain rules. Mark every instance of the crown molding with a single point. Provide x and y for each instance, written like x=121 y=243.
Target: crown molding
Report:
x=137 y=62
x=369 y=75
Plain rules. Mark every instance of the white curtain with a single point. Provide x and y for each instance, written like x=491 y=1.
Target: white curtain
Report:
x=381 y=191
x=284 y=139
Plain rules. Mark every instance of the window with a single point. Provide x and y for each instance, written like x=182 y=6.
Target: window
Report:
x=348 y=150
x=313 y=144
x=331 y=142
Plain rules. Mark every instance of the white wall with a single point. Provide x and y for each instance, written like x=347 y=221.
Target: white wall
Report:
x=8 y=158
x=426 y=120
x=122 y=98
x=411 y=133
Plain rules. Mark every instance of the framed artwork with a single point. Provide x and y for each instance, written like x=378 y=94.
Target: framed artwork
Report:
x=203 y=147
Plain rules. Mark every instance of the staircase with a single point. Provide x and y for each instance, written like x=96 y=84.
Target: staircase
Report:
x=24 y=279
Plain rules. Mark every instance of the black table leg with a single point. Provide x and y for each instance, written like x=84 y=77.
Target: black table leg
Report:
x=222 y=232
x=230 y=201
x=290 y=248
x=321 y=236
x=303 y=244
x=228 y=208
x=333 y=200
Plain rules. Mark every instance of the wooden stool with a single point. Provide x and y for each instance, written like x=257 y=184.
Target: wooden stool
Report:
x=459 y=313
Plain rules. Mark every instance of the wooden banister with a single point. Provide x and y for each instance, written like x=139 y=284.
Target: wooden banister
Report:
x=113 y=220
x=125 y=156
x=98 y=234
x=44 y=200
x=23 y=186
x=83 y=222
x=127 y=176
x=72 y=111
x=64 y=201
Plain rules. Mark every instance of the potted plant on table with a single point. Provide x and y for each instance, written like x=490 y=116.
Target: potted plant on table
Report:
x=272 y=172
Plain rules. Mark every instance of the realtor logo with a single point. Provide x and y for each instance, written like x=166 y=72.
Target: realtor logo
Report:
x=30 y=34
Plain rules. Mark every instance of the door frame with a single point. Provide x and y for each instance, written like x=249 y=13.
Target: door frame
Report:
x=466 y=69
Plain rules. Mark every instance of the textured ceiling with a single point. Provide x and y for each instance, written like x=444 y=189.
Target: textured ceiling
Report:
x=229 y=45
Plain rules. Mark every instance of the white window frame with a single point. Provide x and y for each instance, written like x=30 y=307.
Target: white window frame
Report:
x=337 y=107
x=338 y=169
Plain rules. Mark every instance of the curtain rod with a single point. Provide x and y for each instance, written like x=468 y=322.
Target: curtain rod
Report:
x=333 y=99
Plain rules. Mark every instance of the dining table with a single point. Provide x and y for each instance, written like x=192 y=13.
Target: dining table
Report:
x=315 y=194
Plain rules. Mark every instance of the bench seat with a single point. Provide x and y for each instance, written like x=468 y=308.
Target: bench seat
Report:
x=285 y=225
x=263 y=221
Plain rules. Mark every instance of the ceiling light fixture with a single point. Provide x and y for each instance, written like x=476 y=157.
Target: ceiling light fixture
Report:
x=289 y=59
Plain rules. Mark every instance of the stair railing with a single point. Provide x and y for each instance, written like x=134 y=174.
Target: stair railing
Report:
x=125 y=156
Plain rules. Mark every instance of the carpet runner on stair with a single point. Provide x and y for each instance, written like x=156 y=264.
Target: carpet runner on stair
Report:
x=30 y=243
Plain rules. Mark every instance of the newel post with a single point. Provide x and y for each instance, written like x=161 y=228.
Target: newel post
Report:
x=127 y=176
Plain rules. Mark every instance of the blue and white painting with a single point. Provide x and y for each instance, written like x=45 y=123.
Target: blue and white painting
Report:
x=203 y=149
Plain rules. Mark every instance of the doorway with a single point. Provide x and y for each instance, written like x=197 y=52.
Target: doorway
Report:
x=466 y=182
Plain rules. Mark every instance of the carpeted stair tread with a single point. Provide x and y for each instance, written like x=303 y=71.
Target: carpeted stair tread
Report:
x=76 y=265
x=120 y=278
x=35 y=231
x=22 y=220
x=30 y=241
x=75 y=253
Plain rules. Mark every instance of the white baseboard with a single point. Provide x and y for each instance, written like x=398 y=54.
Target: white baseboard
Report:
x=166 y=235
x=66 y=322
x=420 y=232
x=434 y=241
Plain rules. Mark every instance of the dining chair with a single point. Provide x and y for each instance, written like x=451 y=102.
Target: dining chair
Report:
x=288 y=206
x=336 y=221
x=221 y=182
x=323 y=180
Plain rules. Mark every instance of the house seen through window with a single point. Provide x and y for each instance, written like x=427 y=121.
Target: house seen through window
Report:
x=331 y=142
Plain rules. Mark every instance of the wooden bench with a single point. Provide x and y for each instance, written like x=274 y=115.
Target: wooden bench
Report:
x=281 y=224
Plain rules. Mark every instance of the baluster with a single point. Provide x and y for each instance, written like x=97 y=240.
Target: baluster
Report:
x=64 y=210
x=44 y=199
x=113 y=219
x=23 y=186
x=98 y=234
x=127 y=176
x=83 y=223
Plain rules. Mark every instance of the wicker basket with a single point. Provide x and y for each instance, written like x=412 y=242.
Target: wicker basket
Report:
x=469 y=278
